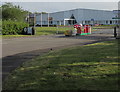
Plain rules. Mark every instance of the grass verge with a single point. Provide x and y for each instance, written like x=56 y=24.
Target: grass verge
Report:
x=104 y=27
x=51 y=30
x=41 y=31
x=12 y=36
x=47 y=31
x=88 y=67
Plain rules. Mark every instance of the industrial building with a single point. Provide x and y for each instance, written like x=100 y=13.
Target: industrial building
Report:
x=76 y=16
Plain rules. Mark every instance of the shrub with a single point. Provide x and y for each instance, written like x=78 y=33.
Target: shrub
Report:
x=13 y=27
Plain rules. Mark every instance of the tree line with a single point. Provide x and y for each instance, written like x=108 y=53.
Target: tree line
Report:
x=13 y=12
x=14 y=19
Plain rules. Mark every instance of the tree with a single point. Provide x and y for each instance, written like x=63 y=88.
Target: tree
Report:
x=13 y=12
x=40 y=12
x=44 y=12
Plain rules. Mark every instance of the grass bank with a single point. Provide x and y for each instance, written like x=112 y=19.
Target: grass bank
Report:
x=12 y=36
x=88 y=67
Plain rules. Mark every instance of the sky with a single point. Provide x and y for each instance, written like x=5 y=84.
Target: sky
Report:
x=61 y=5
x=60 y=0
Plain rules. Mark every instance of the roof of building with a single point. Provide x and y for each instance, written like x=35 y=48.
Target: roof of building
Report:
x=81 y=9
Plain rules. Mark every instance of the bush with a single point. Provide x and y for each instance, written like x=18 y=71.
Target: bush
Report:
x=13 y=27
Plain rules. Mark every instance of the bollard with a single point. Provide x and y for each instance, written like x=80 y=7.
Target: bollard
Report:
x=115 y=33
x=85 y=30
x=79 y=28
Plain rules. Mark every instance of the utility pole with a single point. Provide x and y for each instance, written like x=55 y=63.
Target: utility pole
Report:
x=115 y=33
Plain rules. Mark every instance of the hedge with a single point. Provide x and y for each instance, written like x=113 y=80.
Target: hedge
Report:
x=13 y=27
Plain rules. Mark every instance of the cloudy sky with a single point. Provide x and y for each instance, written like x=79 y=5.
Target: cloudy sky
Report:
x=60 y=0
x=61 y=5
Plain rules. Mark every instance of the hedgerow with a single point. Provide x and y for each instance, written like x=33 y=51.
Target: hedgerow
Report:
x=10 y=27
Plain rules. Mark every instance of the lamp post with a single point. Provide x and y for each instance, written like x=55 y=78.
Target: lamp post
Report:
x=41 y=19
x=34 y=20
x=28 y=18
x=48 y=19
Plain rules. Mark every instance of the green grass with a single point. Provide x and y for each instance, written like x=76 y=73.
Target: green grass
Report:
x=51 y=30
x=45 y=31
x=42 y=31
x=88 y=67
x=13 y=36
x=54 y=30
x=104 y=27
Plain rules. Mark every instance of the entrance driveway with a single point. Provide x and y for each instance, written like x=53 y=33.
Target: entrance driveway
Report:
x=18 y=50
x=26 y=44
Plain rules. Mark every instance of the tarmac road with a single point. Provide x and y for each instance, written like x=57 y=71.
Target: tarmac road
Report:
x=20 y=45
x=15 y=51
x=26 y=44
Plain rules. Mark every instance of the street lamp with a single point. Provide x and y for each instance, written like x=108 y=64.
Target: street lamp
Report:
x=34 y=19
x=41 y=19
x=48 y=19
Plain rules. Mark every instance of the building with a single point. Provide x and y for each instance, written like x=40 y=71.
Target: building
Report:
x=31 y=19
x=76 y=16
